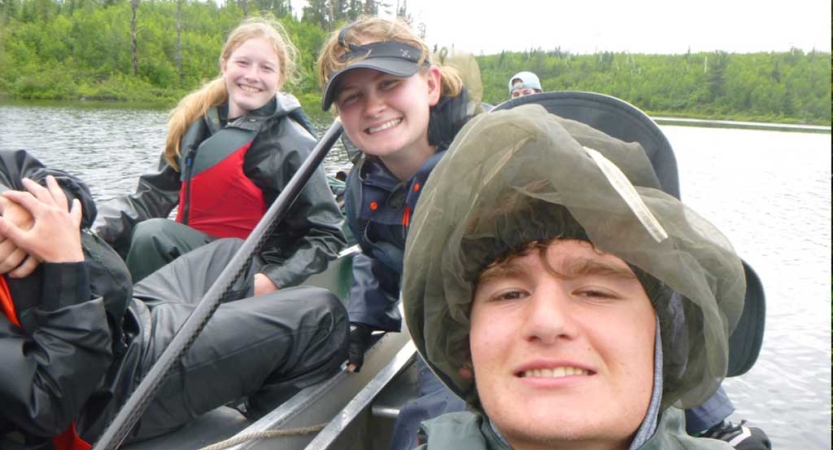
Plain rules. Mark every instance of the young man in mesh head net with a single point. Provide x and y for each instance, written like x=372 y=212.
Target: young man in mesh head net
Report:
x=568 y=308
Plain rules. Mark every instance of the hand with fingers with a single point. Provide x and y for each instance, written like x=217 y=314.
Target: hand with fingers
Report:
x=359 y=343
x=14 y=261
x=54 y=235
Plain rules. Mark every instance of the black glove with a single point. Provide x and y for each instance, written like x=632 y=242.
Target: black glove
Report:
x=359 y=342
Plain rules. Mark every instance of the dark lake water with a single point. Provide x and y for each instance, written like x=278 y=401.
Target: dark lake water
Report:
x=768 y=191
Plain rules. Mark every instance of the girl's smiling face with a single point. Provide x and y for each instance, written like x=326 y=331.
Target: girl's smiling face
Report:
x=387 y=116
x=252 y=74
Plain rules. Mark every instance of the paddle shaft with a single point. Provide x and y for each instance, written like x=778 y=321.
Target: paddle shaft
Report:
x=137 y=403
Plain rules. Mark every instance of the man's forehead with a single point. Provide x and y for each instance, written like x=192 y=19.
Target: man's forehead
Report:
x=565 y=257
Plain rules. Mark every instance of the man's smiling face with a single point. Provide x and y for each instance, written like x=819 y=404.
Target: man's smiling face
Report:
x=562 y=344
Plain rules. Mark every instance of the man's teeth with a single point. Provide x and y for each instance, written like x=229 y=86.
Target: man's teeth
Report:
x=249 y=89
x=384 y=126
x=558 y=372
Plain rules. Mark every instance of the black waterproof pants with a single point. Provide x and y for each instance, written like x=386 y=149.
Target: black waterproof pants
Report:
x=265 y=348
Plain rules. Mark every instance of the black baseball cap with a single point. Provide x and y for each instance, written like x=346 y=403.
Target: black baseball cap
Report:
x=391 y=57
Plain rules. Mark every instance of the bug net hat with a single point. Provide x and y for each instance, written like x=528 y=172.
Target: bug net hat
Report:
x=507 y=179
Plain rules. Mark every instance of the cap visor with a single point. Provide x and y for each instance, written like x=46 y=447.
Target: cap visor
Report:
x=393 y=66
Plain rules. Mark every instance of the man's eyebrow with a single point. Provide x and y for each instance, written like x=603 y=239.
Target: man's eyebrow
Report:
x=504 y=269
x=577 y=267
x=568 y=268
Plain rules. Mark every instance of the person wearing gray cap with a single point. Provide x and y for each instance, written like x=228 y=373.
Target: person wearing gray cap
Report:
x=401 y=109
x=564 y=296
x=524 y=83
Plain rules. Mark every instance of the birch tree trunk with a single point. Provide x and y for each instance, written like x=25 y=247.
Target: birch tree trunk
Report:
x=179 y=39
x=134 y=6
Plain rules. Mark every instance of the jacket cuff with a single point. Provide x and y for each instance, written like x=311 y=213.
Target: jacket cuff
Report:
x=278 y=275
x=64 y=284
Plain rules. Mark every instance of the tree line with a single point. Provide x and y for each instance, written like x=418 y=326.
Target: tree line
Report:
x=774 y=87
x=158 y=50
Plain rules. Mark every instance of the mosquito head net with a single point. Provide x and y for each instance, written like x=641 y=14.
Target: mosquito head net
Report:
x=522 y=175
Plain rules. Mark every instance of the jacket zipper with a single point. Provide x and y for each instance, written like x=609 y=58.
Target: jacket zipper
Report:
x=189 y=163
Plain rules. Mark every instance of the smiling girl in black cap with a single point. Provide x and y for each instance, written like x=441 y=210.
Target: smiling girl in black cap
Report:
x=402 y=111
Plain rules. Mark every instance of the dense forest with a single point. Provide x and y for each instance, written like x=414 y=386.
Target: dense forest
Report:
x=158 y=50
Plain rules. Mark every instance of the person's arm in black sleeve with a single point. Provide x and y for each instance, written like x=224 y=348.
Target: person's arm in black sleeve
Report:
x=51 y=366
x=310 y=235
x=157 y=193
x=372 y=305
x=55 y=348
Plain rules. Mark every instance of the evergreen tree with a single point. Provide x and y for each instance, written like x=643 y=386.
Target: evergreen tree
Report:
x=716 y=74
